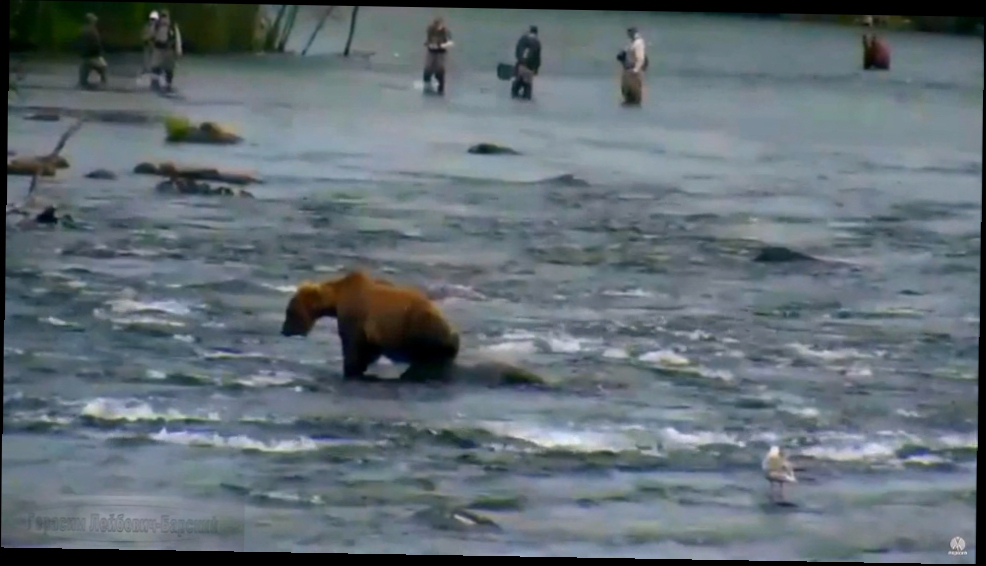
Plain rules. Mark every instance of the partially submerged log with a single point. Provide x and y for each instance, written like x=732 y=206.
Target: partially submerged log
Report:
x=44 y=165
x=31 y=209
x=179 y=186
x=173 y=171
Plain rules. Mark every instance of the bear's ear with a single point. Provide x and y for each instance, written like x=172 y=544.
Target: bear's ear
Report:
x=309 y=294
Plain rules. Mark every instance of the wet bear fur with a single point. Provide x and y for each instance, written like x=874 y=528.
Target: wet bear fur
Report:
x=377 y=318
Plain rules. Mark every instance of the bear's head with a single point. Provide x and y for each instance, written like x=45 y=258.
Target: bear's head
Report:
x=311 y=302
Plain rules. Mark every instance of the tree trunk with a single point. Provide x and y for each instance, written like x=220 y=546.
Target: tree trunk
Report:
x=318 y=28
x=352 y=30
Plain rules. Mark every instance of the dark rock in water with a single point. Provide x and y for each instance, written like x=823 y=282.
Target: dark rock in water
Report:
x=146 y=169
x=566 y=180
x=11 y=153
x=47 y=216
x=491 y=149
x=207 y=133
x=780 y=254
x=484 y=373
x=101 y=174
x=44 y=117
x=190 y=187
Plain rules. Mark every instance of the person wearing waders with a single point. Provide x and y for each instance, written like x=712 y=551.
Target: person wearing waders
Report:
x=634 y=60
x=437 y=42
x=148 y=38
x=167 y=50
x=92 y=53
x=528 y=55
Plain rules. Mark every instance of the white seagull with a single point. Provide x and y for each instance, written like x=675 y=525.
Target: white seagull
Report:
x=778 y=471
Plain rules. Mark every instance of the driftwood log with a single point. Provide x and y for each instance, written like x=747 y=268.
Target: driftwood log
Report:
x=31 y=209
x=45 y=165
x=172 y=171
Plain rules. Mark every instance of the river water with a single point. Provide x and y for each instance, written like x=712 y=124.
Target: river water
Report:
x=614 y=255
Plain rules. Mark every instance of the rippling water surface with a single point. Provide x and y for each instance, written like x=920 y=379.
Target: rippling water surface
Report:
x=142 y=353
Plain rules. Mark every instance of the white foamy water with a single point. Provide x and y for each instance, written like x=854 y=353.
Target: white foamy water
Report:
x=674 y=439
x=665 y=358
x=827 y=355
x=267 y=379
x=133 y=411
x=285 y=289
x=126 y=306
x=522 y=342
x=237 y=442
x=557 y=438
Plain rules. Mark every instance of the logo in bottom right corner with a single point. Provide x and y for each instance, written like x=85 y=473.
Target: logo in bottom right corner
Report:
x=958 y=547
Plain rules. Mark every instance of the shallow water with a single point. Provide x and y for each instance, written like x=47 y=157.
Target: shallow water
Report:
x=144 y=357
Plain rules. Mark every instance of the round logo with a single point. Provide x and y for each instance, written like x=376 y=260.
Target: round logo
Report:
x=957 y=544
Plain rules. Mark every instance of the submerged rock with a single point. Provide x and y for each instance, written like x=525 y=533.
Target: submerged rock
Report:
x=191 y=187
x=195 y=173
x=780 y=254
x=101 y=174
x=492 y=149
x=487 y=373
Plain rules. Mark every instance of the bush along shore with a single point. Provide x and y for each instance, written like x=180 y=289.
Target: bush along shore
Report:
x=53 y=27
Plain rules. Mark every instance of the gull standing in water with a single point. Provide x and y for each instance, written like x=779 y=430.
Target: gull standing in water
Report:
x=778 y=471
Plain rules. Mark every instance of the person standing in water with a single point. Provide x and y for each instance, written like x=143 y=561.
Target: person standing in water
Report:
x=528 y=55
x=876 y=52
x=92 y=53
x=634 y=59
x=148 y=37
x=167 y=49
x=437 y=42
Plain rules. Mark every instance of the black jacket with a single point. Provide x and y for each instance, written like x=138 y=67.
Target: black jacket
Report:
x=89 y=43
x=528 y=52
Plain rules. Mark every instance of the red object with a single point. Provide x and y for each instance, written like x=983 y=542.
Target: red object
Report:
x=881 y=53
x=876 y=54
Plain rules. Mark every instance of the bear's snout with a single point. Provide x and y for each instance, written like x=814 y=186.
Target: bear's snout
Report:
x=289 y=329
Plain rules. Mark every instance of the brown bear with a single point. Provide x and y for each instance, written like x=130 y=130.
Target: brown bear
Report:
x=377 y=318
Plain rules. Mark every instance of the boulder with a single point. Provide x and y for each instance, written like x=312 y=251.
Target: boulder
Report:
x=194 y=173
x=780 y=254
x=180 y=130
x=101 y=174
x=491 y=149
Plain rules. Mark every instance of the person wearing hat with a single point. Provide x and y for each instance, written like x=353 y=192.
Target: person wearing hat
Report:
x=438 y=39
x=92 y=53
x=876 y=52
x=635 y=62
x=528 y=55
x=167 y=49
x=148 y=38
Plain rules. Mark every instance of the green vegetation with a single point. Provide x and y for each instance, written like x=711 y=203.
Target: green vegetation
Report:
x=205 y=28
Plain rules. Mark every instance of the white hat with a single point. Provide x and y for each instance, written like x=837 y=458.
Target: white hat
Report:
x=154 y=15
